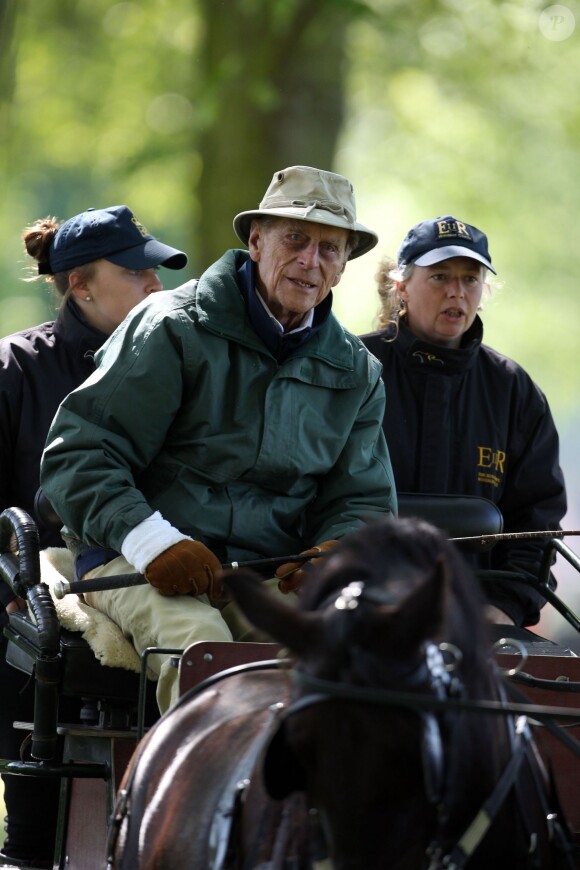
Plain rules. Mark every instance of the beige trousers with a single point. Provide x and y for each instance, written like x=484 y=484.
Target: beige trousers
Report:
x=149 y=619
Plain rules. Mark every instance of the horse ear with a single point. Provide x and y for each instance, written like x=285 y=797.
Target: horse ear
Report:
x=268 y=611
x=424 y=610
x=419 y=615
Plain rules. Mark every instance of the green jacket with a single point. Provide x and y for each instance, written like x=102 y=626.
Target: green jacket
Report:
x=189 y=414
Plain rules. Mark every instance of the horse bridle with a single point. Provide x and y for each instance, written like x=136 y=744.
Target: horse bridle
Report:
x=431 y=670
x=319 y=689
x=447 y=694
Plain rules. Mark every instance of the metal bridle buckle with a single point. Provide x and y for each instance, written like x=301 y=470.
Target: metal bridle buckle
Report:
x=519 y=646
x=454 y=653
x=348 y=598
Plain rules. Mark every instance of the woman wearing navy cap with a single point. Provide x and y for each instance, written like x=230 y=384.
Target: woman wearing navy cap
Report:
x=461 y=418
x=101 y=263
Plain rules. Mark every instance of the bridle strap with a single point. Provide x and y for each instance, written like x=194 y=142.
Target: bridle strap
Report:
x=414 y=700
x=319 y=690
x=433 y=757
x=474 y=834
x=553 y=685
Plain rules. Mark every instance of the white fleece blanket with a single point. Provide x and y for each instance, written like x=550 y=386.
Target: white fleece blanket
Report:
x=104 y=636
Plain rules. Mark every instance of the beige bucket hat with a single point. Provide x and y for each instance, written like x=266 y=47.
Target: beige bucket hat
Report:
x=308 y=194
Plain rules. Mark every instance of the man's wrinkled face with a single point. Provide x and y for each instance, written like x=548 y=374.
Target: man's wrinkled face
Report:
x=297 y=264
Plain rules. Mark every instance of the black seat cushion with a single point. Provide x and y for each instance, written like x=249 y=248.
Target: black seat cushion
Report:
x=460 y=516
x=81 y=673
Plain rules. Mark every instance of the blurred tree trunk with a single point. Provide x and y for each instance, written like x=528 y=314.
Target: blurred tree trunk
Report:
x=273 y=78
x=8 y=9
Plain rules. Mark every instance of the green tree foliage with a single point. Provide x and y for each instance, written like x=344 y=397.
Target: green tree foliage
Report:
x=102 y=114
x=181 y=109
x=185 y=108
x=7 y=64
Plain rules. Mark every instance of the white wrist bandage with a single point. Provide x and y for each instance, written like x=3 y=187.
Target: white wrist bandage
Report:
x=150 y=538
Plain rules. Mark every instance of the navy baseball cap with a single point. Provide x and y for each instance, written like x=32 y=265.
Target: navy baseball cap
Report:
x=112 y=234
x=440 y=239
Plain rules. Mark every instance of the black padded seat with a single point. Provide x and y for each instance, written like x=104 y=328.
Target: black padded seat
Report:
x=459 y=516
x=81 y=673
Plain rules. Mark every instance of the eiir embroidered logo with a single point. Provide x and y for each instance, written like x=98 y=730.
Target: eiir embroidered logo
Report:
x=452 y=230
x=491 y=465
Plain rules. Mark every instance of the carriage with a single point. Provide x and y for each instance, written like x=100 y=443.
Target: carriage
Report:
x=98 y=757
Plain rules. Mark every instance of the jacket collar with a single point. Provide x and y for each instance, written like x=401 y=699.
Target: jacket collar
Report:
x=419 y=353
x=72 y=329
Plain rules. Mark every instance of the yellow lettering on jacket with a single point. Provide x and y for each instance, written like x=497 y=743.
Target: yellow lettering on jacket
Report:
x=489 y=458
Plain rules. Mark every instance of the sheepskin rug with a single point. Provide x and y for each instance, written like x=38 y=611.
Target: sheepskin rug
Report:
x=104 y=636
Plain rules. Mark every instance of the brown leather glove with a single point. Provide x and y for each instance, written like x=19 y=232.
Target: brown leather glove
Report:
x=186 y=568
x=292 y=574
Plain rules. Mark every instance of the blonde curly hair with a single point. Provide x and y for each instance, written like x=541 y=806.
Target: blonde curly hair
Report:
x=388 y=278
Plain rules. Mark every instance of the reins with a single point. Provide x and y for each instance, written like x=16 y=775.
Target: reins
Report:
x=330 y=690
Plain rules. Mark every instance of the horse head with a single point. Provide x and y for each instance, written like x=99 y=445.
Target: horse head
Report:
x=393 y=608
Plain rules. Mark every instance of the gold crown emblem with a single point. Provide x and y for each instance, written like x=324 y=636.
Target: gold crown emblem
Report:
x=140 y=226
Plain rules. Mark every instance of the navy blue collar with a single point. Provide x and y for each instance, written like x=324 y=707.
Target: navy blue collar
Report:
x=423 y=354
x=72 y=328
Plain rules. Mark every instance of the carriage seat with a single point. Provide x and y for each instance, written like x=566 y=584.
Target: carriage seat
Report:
x=104 y=636
x=82 y=674
x=96 y=662
x=92 y=647
x=459 y=516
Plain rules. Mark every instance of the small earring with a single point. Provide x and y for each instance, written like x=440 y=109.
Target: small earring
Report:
x=88 y=298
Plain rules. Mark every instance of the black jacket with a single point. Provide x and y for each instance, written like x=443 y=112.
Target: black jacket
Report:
x=38 y=368
x=471 y=421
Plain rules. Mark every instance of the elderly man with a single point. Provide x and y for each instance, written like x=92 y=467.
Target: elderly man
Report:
x=232 y=418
